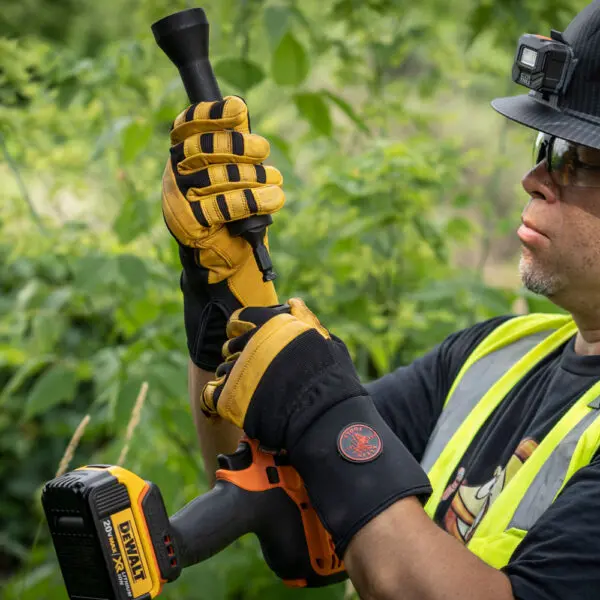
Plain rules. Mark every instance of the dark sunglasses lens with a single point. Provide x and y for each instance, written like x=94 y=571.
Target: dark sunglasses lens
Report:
x=569 y=164
x=565 y=167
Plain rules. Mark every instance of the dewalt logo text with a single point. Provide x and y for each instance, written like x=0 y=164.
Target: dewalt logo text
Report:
x=136 y=576
x=132 y=552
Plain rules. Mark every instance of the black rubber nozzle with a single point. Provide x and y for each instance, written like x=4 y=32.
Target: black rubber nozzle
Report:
x=183 y=37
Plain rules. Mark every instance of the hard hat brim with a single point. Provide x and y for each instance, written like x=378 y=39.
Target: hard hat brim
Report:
x=528 y=111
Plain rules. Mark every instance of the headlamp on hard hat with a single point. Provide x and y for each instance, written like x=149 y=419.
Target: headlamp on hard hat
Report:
x=544 y=65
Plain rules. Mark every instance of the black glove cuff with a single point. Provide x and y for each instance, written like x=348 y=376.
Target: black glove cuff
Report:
x=355 y=467
x=205 y=318
x=206 y=310
x=205 y=331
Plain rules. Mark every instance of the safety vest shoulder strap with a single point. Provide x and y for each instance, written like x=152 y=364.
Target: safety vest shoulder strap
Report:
x=569 y=446
x=489 y=373
x=509 y=332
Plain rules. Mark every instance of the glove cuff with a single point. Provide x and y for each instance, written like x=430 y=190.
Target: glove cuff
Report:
x=205 y=319
x=354 y=467
x=205 y=332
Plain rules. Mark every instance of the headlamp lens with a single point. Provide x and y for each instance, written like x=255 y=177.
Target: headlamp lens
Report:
x=568 y=164
x=529 y=57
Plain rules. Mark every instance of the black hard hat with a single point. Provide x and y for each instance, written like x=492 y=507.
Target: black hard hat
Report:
x=576 y=118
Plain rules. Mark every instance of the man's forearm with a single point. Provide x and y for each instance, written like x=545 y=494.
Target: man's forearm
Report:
x=215 y=436
x=402 y=555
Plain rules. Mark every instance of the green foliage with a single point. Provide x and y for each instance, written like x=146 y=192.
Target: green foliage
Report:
x=314 y=109
x=241 y=73
x=397 y=179
x=290 y=63
x=510 y=18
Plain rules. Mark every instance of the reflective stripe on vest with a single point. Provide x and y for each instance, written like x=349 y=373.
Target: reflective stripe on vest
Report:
x=490 y=372
x=469 y=391
x=551 y=476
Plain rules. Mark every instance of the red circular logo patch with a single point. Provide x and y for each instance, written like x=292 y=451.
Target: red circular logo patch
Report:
x=359 y=443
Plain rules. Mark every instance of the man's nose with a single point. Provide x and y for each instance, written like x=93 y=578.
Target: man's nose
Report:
x=538 y=183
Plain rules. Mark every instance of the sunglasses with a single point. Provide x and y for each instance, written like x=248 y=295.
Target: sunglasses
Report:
x=568 y=164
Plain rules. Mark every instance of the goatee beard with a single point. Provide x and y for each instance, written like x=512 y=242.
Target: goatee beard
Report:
x=538 y=282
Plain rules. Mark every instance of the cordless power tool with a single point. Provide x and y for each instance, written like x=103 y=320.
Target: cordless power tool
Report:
x=110 y=528
x=114 y=540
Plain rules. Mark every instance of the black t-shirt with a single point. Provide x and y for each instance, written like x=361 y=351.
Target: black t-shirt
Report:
x=560 y=556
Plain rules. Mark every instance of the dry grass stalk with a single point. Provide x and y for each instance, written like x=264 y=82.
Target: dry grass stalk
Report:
x=70 y=451
x=133 y=421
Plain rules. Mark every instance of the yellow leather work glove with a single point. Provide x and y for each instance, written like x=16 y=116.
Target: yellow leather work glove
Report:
x=215 y=175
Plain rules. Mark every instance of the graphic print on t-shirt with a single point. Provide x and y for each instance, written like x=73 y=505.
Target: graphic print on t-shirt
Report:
x=471 y=503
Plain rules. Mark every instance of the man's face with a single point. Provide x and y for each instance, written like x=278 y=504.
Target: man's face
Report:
x=560 y=235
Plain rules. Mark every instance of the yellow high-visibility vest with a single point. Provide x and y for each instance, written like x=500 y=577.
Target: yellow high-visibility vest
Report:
x=500 y=361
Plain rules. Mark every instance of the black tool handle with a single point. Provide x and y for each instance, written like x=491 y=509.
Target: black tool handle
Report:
x=213 y=521
x=183 y=36
x=251 y=496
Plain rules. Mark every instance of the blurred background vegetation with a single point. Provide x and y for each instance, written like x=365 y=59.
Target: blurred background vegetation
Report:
x=403 y=197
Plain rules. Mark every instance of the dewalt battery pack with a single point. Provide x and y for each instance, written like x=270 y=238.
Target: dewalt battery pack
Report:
x=111 y=534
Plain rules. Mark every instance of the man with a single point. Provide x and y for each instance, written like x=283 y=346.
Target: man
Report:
x=503 y=417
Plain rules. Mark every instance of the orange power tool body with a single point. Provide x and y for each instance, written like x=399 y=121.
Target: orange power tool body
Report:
x=114 y=540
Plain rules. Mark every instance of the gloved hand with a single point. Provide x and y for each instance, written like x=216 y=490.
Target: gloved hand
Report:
x=291 y=385
x=214 y=176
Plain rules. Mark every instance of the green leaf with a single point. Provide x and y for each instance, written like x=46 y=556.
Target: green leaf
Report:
x=133 y=272
x=47 y=328
x=135 y=138
x=315 y=110
x=28 y=295
x=106 y=365
x=121 y=406
x=241 y=73
x=479 y=20
x=459 y=228
x=22 y=374
x=133 y=218
x=379 y=354
x=282 y=146
x=135 y=314
x=11 y=356
x=343 y=9
x=95 y=273
x=348 y=110
x=461 y=200
x=169 y=379
x=56 y=385
x=58 y=298
x=290 y=63
x=12 y=547
x=107 y=138
x=276 y=20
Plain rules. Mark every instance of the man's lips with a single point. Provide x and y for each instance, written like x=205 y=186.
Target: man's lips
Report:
x=527 y=223
x=530 y=234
